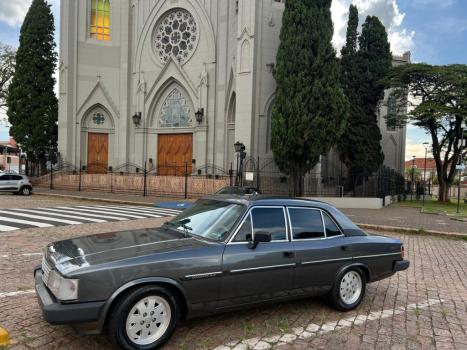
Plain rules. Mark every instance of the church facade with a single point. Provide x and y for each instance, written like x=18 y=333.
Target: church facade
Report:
x=172 y=82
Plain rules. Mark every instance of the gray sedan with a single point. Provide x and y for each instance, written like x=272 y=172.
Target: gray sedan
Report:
x=223 y=253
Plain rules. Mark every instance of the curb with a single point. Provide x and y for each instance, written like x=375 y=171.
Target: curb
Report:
x=412 y=230
x=105 y=200
x=4 y=337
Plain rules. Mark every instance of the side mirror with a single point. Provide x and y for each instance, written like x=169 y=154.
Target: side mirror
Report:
x=260 y=237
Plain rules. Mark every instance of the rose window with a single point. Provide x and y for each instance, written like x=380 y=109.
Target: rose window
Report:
x=176 y=36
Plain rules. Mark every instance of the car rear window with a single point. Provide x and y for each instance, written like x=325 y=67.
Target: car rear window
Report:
x=331 y=228
x=306 y=223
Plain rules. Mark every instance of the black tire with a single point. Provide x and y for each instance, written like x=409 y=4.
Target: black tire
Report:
x=334 y=296
x=26 y=191
x=116 y=327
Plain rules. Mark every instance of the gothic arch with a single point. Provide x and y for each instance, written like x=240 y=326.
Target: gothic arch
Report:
x=245 y=57
x=158 y=106
x=98 y=117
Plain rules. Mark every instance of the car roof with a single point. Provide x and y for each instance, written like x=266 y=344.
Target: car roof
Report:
x=267 y=200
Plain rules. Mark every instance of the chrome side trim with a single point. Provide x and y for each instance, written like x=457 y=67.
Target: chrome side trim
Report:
x=203 y=275
x=349 y=258
x=327 y=260
x=375 y=255
x=261 y=268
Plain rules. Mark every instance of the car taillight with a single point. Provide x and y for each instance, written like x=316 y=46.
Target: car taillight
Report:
x=402 y=252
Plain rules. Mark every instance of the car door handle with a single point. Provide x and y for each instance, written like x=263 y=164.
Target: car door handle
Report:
x=289 y=254
x=345 y=248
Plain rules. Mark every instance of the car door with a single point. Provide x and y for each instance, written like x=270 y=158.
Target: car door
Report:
x=5 y=182
x=321 y=249
x=16 y=182
x=263 y=273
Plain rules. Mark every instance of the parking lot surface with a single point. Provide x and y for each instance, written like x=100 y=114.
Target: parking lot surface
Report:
x=424 y=307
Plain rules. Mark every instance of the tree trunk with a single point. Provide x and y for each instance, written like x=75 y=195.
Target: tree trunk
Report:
x=444 y=195
x=296 y=182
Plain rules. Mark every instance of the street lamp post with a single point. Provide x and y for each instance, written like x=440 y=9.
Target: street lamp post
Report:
x=241 y=155
x=461 y=163
x=413 y=178
x=426 y=145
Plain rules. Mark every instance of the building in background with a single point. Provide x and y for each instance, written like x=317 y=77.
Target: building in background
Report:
x=174 y=82
x=10 y=155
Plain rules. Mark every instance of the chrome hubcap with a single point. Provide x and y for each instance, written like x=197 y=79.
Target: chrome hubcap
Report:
x=351 y=287
x=148 y=320
x=26 y=191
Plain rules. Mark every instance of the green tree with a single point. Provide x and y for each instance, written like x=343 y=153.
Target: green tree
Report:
x=7 y=69
x=363 y=67
x=32 y=104
x=440 y=107
x=310 y=108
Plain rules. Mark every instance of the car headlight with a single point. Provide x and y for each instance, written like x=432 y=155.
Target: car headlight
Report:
x=64 y=289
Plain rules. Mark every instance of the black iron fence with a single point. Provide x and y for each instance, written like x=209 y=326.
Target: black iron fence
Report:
x=188 y=181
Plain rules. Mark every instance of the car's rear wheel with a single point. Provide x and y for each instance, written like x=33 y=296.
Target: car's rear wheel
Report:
x=348 y=290
x=144 y=319
x=25 y=191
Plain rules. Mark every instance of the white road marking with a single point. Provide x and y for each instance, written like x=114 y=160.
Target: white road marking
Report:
x=8 y=228
x=71 y=211
x=151 y=209
x=44 y=211
x=98 y=210
x=123 y=211
x=45 y=218
x=6 y=256
x=30 y=223
x=14 y=294
x=313 y=329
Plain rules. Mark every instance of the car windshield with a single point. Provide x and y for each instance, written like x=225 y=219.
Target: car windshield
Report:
x=208 y=218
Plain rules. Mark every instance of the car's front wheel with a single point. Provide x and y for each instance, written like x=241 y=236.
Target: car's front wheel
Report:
x=25 y=191
x=348 y=290
x=144 y=319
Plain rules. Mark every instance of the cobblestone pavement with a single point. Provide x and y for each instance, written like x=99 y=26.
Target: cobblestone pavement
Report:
x=424 y=307
x=407 y=218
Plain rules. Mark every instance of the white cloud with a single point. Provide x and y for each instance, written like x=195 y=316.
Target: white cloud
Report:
x=12 y=12
x=417 y=149
x=386 y=10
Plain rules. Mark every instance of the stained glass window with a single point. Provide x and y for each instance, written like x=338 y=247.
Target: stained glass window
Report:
x=175 y=112
x=176 y=36
x=100 y=20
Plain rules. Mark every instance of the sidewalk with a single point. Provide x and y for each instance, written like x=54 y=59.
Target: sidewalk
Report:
x=386 y=218
x=407 y=218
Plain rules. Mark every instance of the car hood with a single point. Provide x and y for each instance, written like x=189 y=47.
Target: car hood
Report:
x=78 y=253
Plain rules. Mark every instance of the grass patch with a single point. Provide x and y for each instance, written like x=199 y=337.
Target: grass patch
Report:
x=435 y=207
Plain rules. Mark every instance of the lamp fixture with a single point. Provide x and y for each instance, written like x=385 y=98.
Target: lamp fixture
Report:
x=137 y=118
x=199 y=115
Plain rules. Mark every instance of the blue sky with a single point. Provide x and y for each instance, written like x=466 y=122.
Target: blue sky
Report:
x=435 y=31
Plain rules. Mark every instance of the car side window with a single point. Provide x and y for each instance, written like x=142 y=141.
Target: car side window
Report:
x=270 y=220
x=244 y=233
x=16 y=177
x=306 y=223
x=331 y=228
x=4 y=177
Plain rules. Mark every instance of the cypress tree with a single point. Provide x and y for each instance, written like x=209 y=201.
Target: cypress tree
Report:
x=310 y=108
x=363 y=68
x=32 y=104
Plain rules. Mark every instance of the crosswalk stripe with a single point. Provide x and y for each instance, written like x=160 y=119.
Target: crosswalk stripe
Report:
x=29 y=216
x=25 y=222
x=156 y=210
x=71 y=211
x=83 y=208
x=5 y=228
x=145 y=208
x=45 y=211
x=131 y=211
